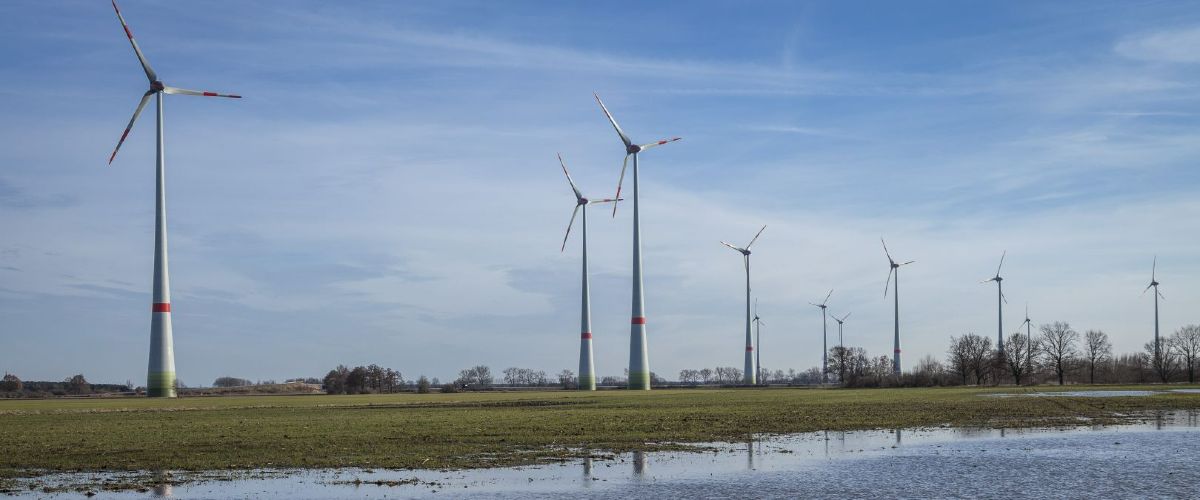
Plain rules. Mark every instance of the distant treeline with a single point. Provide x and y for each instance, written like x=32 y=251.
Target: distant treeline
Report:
x=11 y=386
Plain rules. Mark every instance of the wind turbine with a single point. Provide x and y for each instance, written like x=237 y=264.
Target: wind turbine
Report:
x=1000 y=300
x=1157 y=295
x=894 y=269
x=639 y=362
x=758 y=341
x=824 y=337
x=1028 y=324
x=748 y=374
x=587 y=369
x=161 y=371
x=841 y=321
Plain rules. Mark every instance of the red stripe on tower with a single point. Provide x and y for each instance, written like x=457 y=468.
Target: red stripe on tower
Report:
x=897 y=351
x=749 y=348
x=586 y=336
x=638 y=320
x=161 y=307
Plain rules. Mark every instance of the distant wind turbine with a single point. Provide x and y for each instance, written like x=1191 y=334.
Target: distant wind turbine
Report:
x=894 y=269
x=748 y=376
x=824 y=337
x=587 y=369
x=841 y=321
x=1157 y=294
x=639 y=362
x=160 y=376
x=758 y=341
x=1028 y=341
x=1000 y=300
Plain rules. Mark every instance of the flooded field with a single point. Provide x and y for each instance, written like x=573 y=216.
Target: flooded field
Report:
x=1156 y=458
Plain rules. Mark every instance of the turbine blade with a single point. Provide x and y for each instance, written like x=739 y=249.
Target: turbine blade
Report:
x=907 y=263
x=606 y=200
x=830 y=294
x=203 y=93
x=624 y=138
x=989 y=280
x=572 y=223
x=136 y=112
x=1160 y=295
x=1001 y=262
x=743 y=251
x=1147 y=288
x=846 y=316
x=888 y=283
x=620 y=180
x=659 y=143
x=755 y=238
x=578 y=196
x=150 y=74
x=1154 y=269
x=885 y=251
x=1002 y=296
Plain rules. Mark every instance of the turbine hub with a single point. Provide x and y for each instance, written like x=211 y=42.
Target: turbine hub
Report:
x=633 y=149
x=746 y=253
x=583 y=201
x=157 y=86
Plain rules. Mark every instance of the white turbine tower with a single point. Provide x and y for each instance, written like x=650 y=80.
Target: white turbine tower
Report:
x=749 y=372
x=1028 y=324
x=1000 y=300
x=894 y=269
x=587 y=369
x=639 y=362
x=1157 y=294
x=824 y=337
x=841 y=321
x=161 y=372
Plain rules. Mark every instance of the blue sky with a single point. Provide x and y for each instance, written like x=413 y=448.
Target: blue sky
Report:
x=387 y=192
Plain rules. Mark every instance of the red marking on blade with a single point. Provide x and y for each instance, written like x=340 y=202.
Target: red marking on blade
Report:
x=128 y=33
x=638 y=320
x=161 y=307
x=662 y=142
x=209 y=94
x=586 y=336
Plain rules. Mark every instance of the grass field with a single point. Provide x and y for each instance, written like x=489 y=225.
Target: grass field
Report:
x=488 y=429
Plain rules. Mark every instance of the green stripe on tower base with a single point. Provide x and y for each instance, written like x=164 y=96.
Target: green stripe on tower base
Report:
x=639 y=381
x=587 y=383
x=160 y=384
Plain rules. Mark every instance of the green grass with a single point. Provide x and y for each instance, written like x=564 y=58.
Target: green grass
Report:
x=486 y=429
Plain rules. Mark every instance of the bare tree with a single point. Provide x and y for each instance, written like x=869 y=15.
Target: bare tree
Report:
x=1020 y=351
x=566 y=378
x=1096 y=350
x=958 y=357
x=706 y=375
x=1164 y=360
x=1186 y=342
x=1058 y=345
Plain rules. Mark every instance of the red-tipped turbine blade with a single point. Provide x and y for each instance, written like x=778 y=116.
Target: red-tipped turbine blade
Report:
x=606 y=200
x=620 y=180
x=569 y=180
x=125 y=134
x=659 y=143
x=624 y=138
x=572 y=223
x=203 y=93
x=136 y=50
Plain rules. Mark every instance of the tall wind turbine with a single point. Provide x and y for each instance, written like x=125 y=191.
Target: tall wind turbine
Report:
x=639 y=362
x=894 y=270
x=1028 y=324
x=758 y=341
x=161 y=371
x=587 y=369
x=748 y=374
x=824 y=336
x=841 y=321
x=1157 y=295
x=1000 y=300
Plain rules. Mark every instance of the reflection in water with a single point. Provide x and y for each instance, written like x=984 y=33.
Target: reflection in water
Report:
x=750 y=454
x=587 y=468
x=1001 y=432
x=162 y=490
x=897 y=437
x=639 y=463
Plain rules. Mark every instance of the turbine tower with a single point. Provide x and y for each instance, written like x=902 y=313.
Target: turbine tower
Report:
x=841 y=321
x=587 y=369
x=639 y=362
x=1000 y=300
x=1157 y=294
x=758 y=341
x=160 y=377
x=824 y=337
x=1028 y=324
x=749 y=372
x=894 y=269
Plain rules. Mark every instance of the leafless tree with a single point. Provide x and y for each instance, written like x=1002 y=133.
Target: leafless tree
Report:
x=1186 y=342
x=1019 y=353
x=1058 y=345
x=1164 y=361
x=566 y=379
x=976 y=353
x=1096 y=350
x=706 y=375
x=958 y=357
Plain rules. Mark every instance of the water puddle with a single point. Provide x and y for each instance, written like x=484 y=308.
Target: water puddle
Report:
x=1081 y=394
x=1155 y=458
